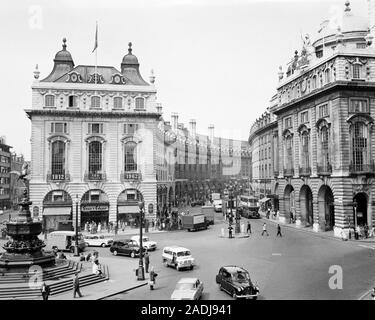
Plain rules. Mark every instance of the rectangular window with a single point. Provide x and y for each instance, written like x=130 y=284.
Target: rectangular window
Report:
x=50 y=101
x=359 y=106
x=95 y=102
x=356 y=71
x=139 y=103
x=361 y=45
x=323 y=111
x=130 y=128
x=304 y=117
x=96 y=128
x=117 y=102
x=72 y=101
x=288 y=122
x=59 y=127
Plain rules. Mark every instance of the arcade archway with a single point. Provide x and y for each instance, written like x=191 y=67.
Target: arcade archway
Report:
x=326 y=208
x=306 y=204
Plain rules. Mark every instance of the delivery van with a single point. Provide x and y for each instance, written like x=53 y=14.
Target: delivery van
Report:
x=65 y=241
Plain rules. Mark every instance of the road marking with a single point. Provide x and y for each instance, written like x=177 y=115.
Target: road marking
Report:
x=364 y=295
x=276 y=254
x=364 y=246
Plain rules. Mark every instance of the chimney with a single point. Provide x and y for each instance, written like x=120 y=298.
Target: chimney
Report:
x=174 y=121
x=211 y=128
x=193 y=127
x=159 y=108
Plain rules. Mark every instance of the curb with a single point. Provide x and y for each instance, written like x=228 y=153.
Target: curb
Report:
x=123 y=291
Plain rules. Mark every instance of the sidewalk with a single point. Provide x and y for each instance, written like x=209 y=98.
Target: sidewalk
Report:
x=121 y=278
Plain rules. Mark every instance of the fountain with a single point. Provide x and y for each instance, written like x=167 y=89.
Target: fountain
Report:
x=24 y=249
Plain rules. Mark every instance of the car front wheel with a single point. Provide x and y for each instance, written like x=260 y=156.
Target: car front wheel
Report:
x=115 y=253
x=234 y=296
x=132 y=254
x=103 y=245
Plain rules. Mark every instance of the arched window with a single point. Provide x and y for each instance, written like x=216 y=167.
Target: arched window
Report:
x=314 y=82
x=95 y=158
x=117 y=102
x=130 y=157
x=289 y=152
x=58 y=158
x=324 y=139
x=327 y=74
x=95 y=102
x=139 y=103
x=359 y=145
x=72 y=101
x=49 y=100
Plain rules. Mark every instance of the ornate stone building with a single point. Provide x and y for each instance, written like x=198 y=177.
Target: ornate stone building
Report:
x=325 y=111
x=100 y=144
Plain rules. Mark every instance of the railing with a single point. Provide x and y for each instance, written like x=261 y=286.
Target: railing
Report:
x=361 y=168
x=94 y=176
x=289 y=172
x=324 y=170
x=130 y=176
x=58 y=177
x=304 y=171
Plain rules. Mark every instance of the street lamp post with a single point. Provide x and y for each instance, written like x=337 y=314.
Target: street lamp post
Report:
x=141 y=270
x=76 y=253
x=355 y=219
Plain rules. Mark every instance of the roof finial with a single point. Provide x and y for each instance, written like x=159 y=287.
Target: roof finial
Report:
x=64 y=44
x=130 y=48
x=36 y=72
x=347 y=4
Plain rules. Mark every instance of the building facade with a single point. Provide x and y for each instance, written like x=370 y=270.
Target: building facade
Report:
x=16 y=185
x=100 y=145
x=325 y=112
x=5 y=168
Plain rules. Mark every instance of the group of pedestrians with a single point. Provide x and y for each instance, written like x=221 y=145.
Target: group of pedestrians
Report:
x=264 y=229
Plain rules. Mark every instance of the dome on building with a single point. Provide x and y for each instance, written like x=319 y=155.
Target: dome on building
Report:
x=63 y=55
x=347 y=22
x=130 y=59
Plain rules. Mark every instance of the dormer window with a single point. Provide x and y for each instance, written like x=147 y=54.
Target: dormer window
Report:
x=95 y=102
x=356 y=71
x=117 y=102
x=49 y=100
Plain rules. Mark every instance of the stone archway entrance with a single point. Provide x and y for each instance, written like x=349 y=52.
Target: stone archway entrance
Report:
x=326 y=208
x=361 y=199
x=289 y=203
x=306 y=203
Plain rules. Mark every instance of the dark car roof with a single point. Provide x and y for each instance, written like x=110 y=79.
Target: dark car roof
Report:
x=233 y=269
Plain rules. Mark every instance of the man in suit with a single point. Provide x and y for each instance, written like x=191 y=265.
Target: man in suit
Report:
x=76 y=286
x=147 y=260
x=45 y=291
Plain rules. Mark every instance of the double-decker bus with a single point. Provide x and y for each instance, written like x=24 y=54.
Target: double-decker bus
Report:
x=248 y=206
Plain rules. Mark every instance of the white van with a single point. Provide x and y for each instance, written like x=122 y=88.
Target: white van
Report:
x=178 y=257
x=65 y=241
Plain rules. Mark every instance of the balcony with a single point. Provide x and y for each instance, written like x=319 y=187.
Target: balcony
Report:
x=361 y=168
x=57 y=177
x=289 y=172
x=91 y=176
x=304 y=171
x=130 y=176
x=324 y=170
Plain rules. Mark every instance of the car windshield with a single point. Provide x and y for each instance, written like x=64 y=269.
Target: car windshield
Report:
x=185 y=286
x=146 y=239
x=183 y=253
x=241 y=276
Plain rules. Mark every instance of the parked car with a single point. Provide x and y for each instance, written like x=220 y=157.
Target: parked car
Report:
x=146 y=242
x=197 y=203
x=126 y=247
x=188 y=289
x=236 y=282
x=98 y=241
x=178 y=257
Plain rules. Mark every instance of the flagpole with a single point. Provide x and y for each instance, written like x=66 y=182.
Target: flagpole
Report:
x=96 y=53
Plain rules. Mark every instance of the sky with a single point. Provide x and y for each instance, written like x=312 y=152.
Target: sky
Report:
x=215 y=61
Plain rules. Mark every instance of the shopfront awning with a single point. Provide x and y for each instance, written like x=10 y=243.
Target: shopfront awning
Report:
x=128 y=209
x=57 y=211
x=264 y=200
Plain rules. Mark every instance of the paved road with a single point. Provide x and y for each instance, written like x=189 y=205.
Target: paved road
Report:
x=293 y=267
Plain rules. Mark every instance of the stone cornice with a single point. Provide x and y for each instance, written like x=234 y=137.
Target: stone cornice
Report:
x=268 y=126
x=90 y=114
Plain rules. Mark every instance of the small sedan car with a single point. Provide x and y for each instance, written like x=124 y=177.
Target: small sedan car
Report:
x=236 y=282
x=126 y=247
x=188 y=289
x=97 y=241
x=146 y=242
x=197 y=203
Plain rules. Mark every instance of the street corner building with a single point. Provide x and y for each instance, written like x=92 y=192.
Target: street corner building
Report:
x=312 y=150
x=99 y=143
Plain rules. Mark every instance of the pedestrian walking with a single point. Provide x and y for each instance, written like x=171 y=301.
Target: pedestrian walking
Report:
x=153 y=276
x=147 y=260
x=278 y=231
x=76 y=286
x=230 y=232
x=248 y=230
x=291 y=217
x=45 y=291
x=265 y=229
